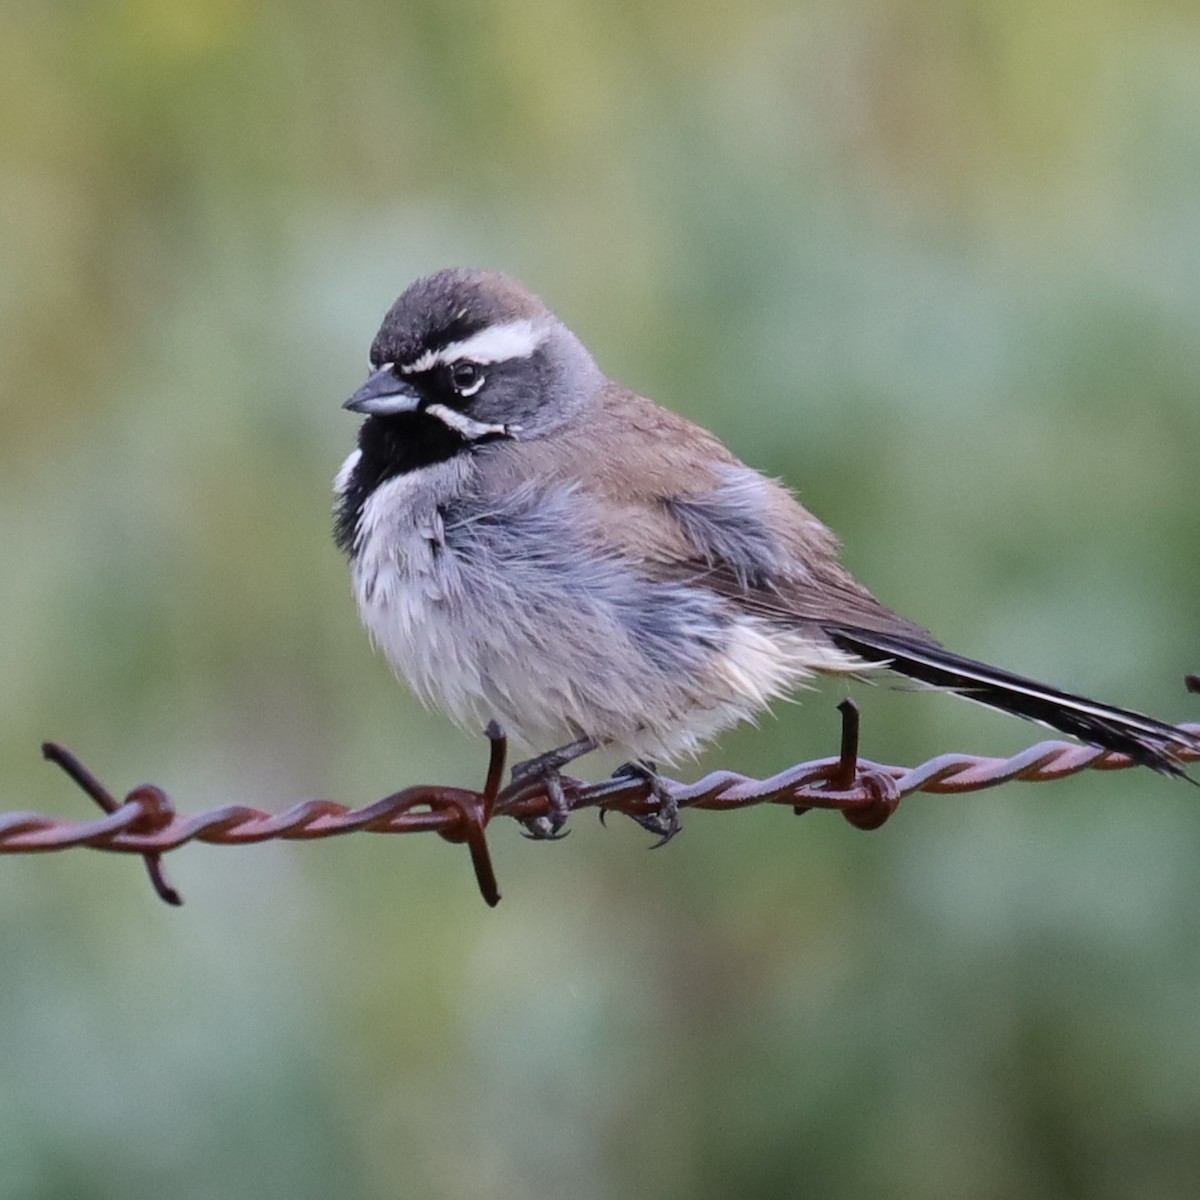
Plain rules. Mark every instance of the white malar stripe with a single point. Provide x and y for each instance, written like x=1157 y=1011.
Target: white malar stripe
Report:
x=341 y=481
x=461 y=423
x=496 y=343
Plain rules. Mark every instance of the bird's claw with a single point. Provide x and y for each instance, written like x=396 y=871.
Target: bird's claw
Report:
x=664 y=820
x=543 y=829
x=665 y=823
x=549 y=826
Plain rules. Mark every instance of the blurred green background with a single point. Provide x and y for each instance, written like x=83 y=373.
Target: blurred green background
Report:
x=935 y=263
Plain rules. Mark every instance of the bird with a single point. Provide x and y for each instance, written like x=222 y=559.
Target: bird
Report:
x=532 y=545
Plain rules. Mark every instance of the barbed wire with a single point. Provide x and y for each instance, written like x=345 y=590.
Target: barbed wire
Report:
x=865 y=793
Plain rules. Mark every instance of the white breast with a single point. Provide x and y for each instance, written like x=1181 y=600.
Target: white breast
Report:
x=404 y=583
x=512 y=618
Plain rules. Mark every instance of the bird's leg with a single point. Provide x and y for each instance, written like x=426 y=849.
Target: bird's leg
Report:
x=664 y=821
x=547 y=770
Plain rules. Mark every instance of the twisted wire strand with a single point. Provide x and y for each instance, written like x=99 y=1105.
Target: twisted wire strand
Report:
x=864 y=792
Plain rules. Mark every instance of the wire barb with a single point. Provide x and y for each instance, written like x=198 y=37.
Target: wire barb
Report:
x=157 y=809
x=864 y=792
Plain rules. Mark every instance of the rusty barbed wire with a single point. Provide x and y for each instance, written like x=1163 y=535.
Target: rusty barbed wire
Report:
x=865 y=793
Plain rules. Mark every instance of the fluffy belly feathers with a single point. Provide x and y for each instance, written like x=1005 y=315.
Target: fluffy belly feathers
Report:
x=505 y=613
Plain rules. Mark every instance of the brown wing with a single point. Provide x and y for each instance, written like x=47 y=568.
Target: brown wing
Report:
x=668 y=496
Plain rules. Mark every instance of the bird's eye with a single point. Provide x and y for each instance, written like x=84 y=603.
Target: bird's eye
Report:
x=467 y=377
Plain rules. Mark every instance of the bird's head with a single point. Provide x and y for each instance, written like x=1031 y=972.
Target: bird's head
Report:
x=481 y=355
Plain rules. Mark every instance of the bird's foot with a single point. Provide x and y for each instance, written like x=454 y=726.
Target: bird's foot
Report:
x=664 y=820
x=546 y=769
x=549 y=826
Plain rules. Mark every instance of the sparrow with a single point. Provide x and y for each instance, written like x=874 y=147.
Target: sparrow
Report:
x=534 y=545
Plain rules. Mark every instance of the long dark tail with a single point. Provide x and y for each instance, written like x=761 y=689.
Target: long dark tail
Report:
x=1152 y=743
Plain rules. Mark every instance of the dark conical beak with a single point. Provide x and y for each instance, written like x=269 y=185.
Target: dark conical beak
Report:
x=384 y=394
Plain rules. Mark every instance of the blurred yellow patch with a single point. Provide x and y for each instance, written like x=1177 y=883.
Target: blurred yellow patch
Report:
x=187 y=28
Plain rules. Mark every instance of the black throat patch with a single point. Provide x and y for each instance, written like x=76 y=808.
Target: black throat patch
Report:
x=391 y=446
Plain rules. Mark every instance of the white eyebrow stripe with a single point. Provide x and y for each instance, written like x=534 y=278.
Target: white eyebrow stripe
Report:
x=496 y=343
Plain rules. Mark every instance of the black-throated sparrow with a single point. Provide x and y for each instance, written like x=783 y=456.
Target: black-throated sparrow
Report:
x=532 y=543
